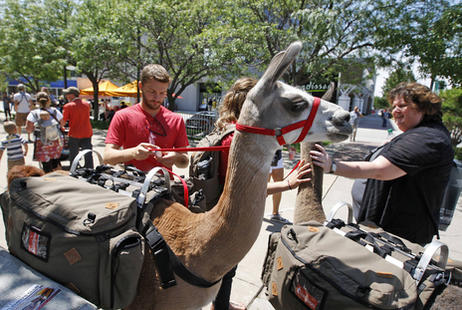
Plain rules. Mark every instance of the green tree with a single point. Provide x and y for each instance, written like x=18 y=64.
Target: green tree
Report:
x=333 y=32
x=93 y=46
x=196 y=42
x=380 y=103
x=426 y=32
x=452 y=113
x=25 y=51
x=397 y=76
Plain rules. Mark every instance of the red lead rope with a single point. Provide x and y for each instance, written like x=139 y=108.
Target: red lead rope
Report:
x=278 y=132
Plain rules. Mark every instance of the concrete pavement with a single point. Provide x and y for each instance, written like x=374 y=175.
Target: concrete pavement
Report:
x=247 y=284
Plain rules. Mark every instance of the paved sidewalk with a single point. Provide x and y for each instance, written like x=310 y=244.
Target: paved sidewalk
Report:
x=247 y=283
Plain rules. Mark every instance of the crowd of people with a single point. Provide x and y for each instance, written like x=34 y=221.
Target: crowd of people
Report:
x=45 y=118
x=399 y=186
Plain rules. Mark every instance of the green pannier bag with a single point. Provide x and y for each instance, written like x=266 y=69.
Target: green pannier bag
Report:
x=78 y=234
x=313 y=266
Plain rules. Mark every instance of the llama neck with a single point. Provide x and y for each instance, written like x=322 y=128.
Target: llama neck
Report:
x=308 y=205
x=235 y=221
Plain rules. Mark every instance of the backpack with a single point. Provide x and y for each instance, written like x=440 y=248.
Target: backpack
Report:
x=350 y=266
x=203 y=167
x=48 y=133
x=81 y=235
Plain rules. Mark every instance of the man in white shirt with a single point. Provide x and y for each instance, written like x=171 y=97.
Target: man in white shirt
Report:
x=22 y=106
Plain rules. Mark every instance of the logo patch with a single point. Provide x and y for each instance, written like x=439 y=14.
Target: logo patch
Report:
x=35 y=242
x=112 y=205
x=307 y=292
x=279 y=264
x=72 y=256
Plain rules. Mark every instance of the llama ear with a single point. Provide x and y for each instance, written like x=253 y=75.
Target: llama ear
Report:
x=279 y=64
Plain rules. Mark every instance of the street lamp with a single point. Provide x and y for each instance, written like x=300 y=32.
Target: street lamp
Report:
x=70 y=68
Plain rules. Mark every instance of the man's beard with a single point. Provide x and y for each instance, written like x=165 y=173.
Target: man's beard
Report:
x=152 y=105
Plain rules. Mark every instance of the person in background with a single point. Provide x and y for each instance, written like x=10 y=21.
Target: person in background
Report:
x=13 y=144
x=49 y=142
x=354 y=121
x=406 y=177
x=383 y=114
x=135 y=132
x=77 y=112
x=54 y=102
x=230 y=110
x=22 y=106
x=6 y=107
x=277 y=173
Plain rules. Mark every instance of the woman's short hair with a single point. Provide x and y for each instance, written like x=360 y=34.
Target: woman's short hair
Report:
x=156 y=72
x=230 y=108
x=43 y=99
x=424 y=99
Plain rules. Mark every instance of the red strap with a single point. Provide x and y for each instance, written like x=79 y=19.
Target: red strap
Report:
x=279 y=132
x=185 y=187
x=293 y=169
x=190 y=149
x=309 y=121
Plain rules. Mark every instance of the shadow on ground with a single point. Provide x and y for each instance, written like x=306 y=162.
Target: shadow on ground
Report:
x=350 y=151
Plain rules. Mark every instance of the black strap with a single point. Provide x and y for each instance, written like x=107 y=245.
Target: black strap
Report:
x=394 y=240
x=167 y=263
x=335 y=223
x=53 y=115
x=187 y=275
x=160 y=252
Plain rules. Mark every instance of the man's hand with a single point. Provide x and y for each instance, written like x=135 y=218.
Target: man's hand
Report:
x=172 y=158
x=143 y=151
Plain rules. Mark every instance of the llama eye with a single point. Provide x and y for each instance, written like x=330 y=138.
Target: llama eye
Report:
x=298 y=106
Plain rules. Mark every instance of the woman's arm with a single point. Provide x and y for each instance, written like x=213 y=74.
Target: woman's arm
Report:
x=293 y=181
x=30 y=126
x=380 y=168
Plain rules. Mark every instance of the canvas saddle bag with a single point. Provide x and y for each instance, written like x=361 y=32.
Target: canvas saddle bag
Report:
x=76 y=233
x=342 y=266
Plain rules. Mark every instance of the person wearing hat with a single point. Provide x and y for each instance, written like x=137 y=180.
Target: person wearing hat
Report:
x=22 y=106
x=77 y=112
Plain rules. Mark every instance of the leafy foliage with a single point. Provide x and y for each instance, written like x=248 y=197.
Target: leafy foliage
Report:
x=452 y=113
x=26 y=48
x=380 y=103
x=219 y=40
x=397 y=76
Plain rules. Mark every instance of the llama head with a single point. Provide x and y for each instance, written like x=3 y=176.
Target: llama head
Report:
x=274 y=104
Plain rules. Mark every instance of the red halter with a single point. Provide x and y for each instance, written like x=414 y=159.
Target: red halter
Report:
x=279 y=132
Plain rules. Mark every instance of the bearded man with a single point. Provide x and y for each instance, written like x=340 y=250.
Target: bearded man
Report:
x=135 y=132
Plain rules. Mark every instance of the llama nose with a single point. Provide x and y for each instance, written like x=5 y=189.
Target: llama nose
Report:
x=340 y=117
